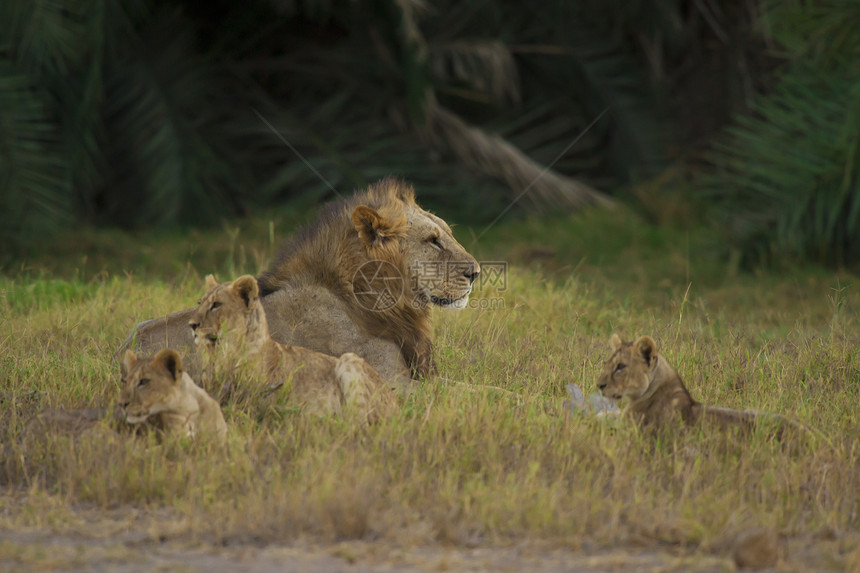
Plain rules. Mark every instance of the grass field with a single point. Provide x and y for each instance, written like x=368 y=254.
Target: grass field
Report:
x=457 y=467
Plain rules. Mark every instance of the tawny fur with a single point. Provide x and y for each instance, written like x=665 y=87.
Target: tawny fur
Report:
x=232 y=334
x=72 y=422
x=313 y=293
x=655 y=394
x=159 y=387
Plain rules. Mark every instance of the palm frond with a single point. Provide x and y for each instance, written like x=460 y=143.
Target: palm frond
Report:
x=47 y=36
x=824 y=31
x=34 y=170
x=485 y=67
x=171 y=160
x=788 y=177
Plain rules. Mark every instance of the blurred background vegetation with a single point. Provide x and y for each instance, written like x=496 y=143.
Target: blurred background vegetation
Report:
x=742 y=114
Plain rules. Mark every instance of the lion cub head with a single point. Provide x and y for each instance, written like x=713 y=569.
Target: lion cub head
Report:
x=231 y=307
x=628 y=372
x=150 y=386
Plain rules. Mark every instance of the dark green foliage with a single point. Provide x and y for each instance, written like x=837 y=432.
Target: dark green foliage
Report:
x=109 y=114
x=788 y=181
x=149 y=112
x=35 y=190
x=175 y=155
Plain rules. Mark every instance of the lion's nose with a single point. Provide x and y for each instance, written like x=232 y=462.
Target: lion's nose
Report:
x=472 y=273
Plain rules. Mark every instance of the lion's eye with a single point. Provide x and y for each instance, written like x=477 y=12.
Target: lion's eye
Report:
x=143 y=382
x=215 y=305
x=620 y=367
x=434 y=240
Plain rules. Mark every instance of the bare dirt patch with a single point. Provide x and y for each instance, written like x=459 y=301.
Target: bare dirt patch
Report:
x=130 y=541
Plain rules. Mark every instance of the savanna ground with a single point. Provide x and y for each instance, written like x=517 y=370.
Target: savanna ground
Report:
x=460 y=479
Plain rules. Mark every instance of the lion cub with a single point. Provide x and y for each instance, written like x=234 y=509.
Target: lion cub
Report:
x=230 y=329
x=159 y=387
x=656 y=394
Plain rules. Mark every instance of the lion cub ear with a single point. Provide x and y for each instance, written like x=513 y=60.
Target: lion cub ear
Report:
x=373 y=227
x=211 y=283
x=129 y=359
x=170 y=360
x=615 y=341
x=647 y=348
x=246 y=288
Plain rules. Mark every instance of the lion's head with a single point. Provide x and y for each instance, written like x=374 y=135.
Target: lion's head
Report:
x=150 y=386
x=390 y=252
x=403 y=241
x=230 y=307
x=628 y=372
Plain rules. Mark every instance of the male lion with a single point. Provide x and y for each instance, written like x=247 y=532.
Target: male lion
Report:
x=231 y=331
x=159 y=387
x=361 y=279
x=656 y=394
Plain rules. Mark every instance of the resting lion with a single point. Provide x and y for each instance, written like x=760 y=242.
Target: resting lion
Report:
x=361 y=279
x=158 y=387
x=72 y=422
x=656 y=395
x=231 y=331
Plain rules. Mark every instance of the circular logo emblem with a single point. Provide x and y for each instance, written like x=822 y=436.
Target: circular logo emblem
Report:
x=377 y=285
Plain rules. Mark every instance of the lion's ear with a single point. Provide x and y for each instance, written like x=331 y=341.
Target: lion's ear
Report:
x=128 y=361
x=170 y=360
x=211 y=283
x=647 y=348
x=615 y=342
x=246 y=288
x=373 y=227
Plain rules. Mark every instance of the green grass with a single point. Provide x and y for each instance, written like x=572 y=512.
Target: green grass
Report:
x=457 y=466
